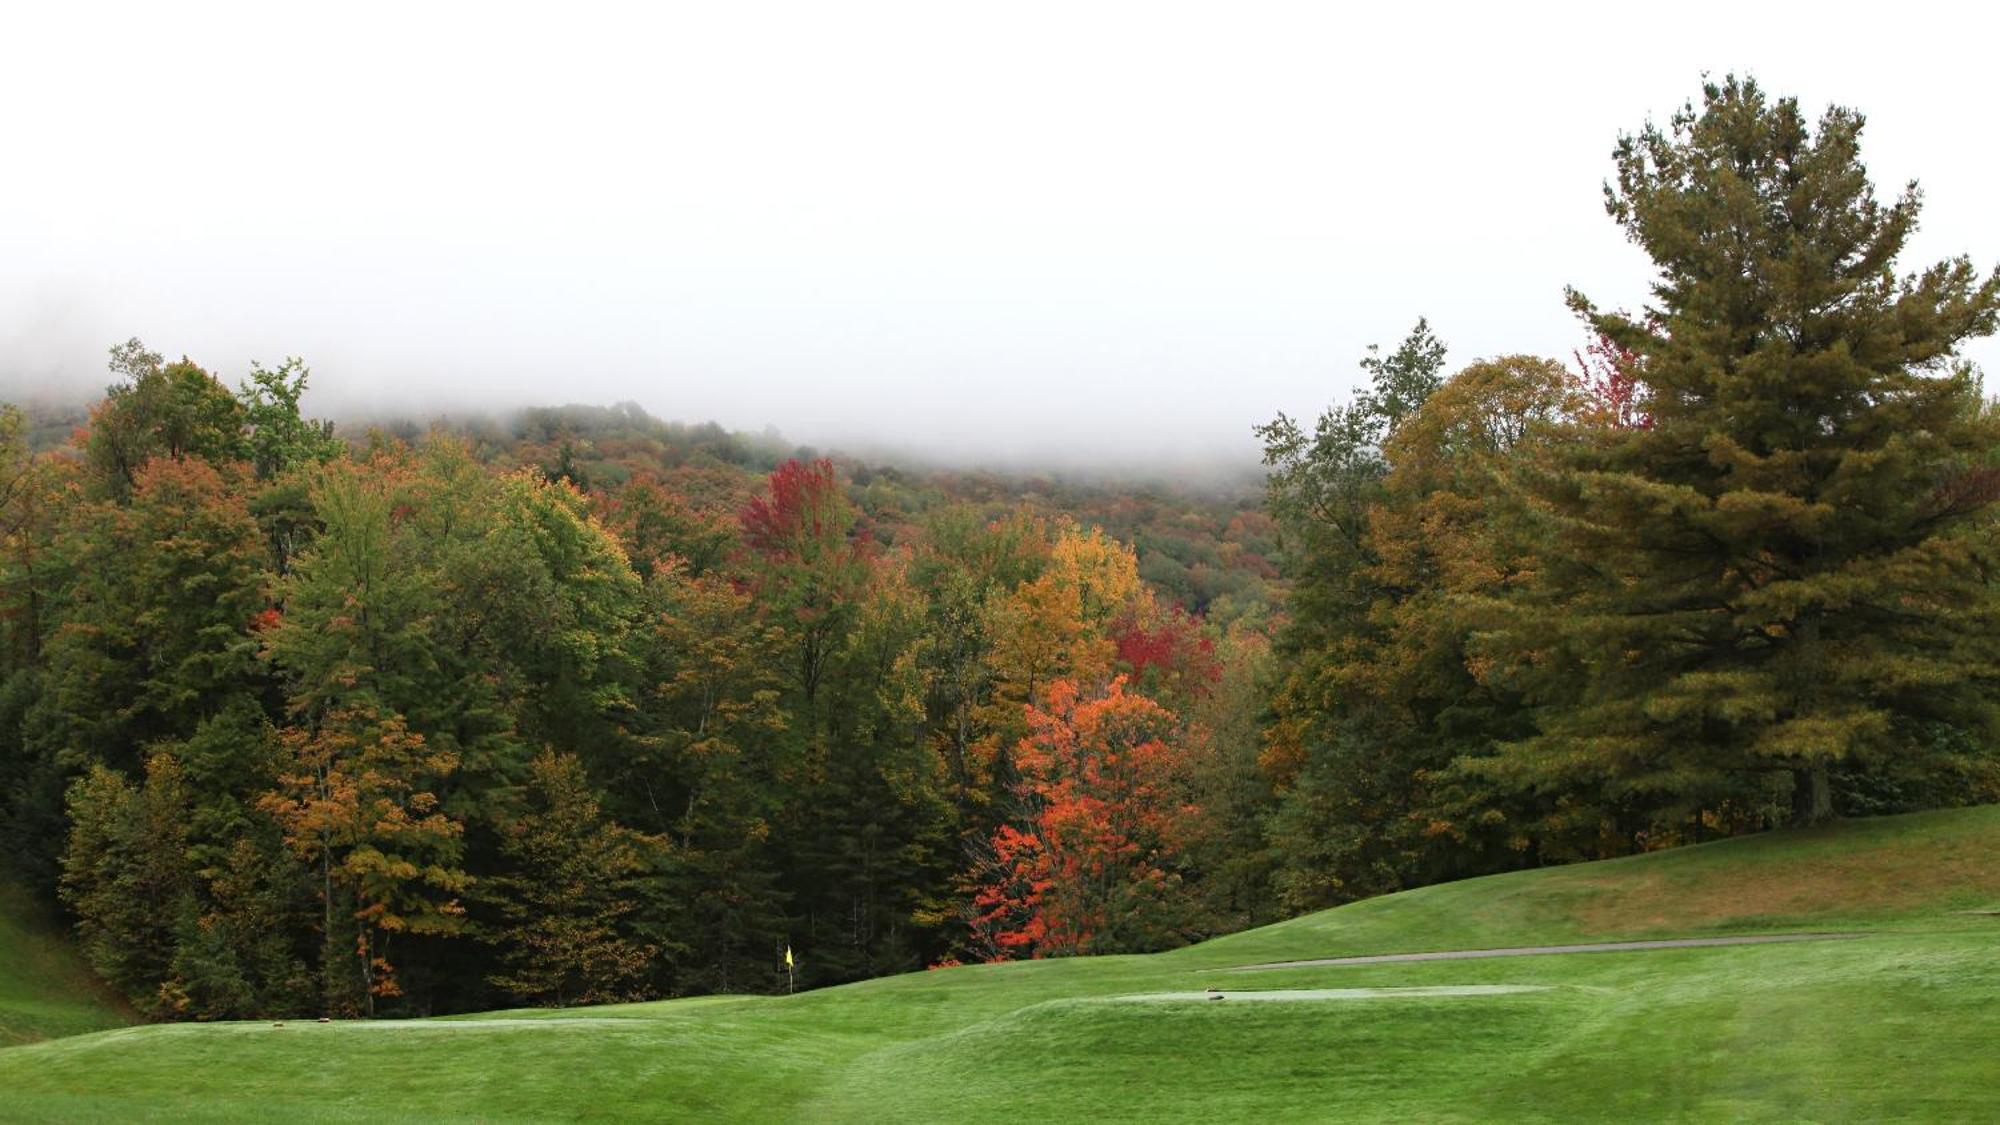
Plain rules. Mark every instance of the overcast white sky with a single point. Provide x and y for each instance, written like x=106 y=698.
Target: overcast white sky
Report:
x=1068 y=231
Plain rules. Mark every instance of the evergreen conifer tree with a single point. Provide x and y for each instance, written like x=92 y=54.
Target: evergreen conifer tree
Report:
x=1783 y=569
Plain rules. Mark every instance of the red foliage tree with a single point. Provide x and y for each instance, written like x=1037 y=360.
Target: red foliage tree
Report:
x=1172 y=653
x=1610 y=380
x=802 y=514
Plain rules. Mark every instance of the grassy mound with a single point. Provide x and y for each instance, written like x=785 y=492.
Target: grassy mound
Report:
x=1901 y=1022
x=1861 y=874
x=45 y=991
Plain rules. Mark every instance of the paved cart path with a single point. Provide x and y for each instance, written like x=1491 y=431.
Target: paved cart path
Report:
x=1536 y=950
x=1281 y=994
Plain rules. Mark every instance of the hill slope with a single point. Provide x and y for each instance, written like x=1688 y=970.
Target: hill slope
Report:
x=1903 y=1020
x=45 y=991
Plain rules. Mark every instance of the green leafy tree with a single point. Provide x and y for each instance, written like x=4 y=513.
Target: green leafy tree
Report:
x=35 y=493
x=864 y=827
x=867 y=828
x=1224 y=837
x=280 y=437
x=570 y=887
x=966 y=565
x=1377 y=807
x=1337 y=787
x=158 y=625
x=706 y=745
x=574 y=642
x=358 y=608
x=127 y=878
x=1321 y=484
x=25 y=529
x=172 y=410
x=242 y=945
x=415 y=598
x=1320 y=490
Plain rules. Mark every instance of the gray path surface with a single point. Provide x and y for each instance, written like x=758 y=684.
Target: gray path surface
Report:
x=1282 y=994
x=1536 y=950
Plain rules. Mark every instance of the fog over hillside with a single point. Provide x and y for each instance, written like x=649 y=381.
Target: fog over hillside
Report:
x=1114 y=236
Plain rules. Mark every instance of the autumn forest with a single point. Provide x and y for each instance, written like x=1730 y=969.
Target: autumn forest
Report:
x=579 y=705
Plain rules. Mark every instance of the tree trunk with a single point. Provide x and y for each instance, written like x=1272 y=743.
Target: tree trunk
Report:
x=1812 y=796
x=363 y=947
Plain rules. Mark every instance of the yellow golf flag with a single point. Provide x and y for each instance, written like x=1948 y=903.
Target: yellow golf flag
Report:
x=788 y=957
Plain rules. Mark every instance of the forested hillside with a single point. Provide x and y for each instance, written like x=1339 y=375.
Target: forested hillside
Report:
x=581 y=705
x=587 y=706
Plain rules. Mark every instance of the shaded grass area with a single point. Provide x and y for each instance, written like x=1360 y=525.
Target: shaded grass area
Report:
x=1865 y=874
x=45 y=991
x=1901 y=1023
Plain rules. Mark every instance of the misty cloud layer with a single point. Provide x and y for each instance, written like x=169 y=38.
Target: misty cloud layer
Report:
x=1115 y=236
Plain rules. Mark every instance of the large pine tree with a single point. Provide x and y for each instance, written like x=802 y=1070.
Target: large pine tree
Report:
x=1782 y=574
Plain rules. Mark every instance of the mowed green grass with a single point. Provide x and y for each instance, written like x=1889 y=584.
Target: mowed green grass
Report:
x=45 y=991
x=1902 y=1022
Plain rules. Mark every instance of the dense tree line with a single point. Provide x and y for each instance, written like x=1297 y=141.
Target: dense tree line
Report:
x=584 y=706
x=297 y=725
x=1735 y=570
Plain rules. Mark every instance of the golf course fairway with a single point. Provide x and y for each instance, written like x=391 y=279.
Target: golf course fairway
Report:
x=1894 y=1015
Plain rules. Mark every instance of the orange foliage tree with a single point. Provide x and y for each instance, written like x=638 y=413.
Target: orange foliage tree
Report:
x=1055 y=626
x=1095 y=863
x=357 y=799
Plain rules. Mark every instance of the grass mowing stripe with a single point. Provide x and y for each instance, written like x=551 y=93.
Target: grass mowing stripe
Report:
x=1903 y=1024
